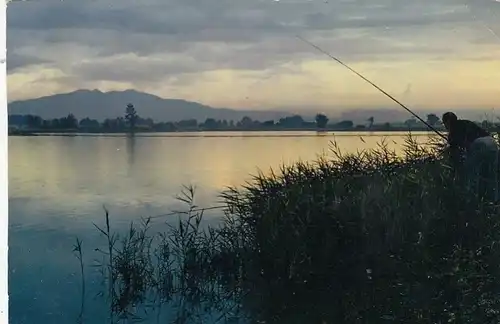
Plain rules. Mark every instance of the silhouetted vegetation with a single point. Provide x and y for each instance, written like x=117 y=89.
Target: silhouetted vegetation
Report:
x=132 y=122
x=131 y=117
x=432 y=119
x=371 y=120
x=371 y=237
x=321 y=120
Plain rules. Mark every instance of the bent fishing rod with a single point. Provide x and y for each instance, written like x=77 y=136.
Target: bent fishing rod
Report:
x=372 y=84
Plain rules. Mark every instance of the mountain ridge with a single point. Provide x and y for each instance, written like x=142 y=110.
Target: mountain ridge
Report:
x=101 y=105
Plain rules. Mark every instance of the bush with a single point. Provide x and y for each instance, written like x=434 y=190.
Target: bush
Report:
x=363 y=238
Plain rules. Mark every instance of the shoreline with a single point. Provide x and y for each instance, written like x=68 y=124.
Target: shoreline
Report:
x=205 y=133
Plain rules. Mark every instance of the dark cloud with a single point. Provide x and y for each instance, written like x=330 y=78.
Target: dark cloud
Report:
x=136 y=68
x=147 y=40
x=16 y=61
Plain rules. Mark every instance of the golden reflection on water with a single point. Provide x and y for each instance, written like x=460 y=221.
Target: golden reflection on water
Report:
x=153 y=169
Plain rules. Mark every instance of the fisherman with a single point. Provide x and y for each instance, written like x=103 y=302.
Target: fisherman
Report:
x=480 y=151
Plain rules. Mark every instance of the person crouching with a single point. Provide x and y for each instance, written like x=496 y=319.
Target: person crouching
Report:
x=481 y=154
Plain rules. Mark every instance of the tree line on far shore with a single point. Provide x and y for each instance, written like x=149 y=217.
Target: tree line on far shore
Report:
x=132 y=122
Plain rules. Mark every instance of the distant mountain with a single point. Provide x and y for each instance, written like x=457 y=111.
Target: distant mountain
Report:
x=101 y=105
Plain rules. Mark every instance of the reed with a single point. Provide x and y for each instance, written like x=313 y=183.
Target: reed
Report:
x=372 y=237
x=78 y=252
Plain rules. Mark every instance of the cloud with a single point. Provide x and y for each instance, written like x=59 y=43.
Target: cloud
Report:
x=150 y=41
x=17 y=61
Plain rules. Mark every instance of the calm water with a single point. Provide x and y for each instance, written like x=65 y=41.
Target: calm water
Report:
x=58 y=185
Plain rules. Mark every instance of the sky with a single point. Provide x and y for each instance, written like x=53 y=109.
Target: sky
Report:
x=245 y=54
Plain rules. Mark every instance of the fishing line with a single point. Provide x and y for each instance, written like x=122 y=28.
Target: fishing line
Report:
x=474 y=17
x=372 y=84
x=483 y=23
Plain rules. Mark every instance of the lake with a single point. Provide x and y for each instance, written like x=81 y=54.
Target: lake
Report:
x=58 y=186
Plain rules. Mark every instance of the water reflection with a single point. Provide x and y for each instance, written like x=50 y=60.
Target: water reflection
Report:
x=131 y=143
x=58 y=185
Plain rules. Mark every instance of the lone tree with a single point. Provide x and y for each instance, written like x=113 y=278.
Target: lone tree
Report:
x=68 y=122
x=432 y=119
x=321 y=120
x=370 y=122
x=131 y=116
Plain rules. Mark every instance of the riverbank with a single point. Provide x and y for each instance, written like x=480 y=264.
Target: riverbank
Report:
x=76 y=132
x=371 y=237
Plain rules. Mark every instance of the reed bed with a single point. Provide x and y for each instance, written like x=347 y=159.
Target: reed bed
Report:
x=372 y=237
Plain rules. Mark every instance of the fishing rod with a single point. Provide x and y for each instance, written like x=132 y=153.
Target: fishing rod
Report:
x=372 y=84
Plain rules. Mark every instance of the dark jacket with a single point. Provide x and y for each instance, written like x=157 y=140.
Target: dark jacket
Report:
x=463 y=133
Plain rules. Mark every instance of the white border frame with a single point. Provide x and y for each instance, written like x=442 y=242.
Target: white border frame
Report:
x=4 y=206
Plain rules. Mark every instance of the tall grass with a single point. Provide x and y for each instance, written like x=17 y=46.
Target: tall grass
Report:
x=78 y=252
x=372 y=237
